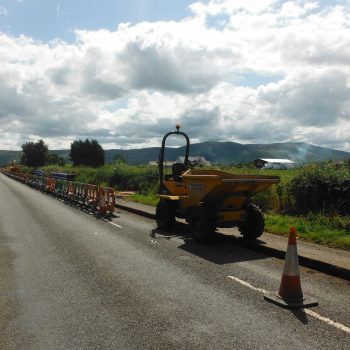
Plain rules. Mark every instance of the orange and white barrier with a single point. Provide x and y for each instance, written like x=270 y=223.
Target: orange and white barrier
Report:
x=50 y=185
x=110 y=199
x=103 y=198
x=71 y=190
x=91 y=197
x=106 y=199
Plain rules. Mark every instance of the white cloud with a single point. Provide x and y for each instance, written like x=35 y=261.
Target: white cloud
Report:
x=187 y=71
x=3 y=11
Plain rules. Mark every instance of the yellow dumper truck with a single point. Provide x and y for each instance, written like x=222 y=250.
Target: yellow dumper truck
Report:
x=208 y=199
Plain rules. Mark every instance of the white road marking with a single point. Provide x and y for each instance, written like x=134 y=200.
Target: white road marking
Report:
x=328 y=321
x=307 y=311
x=95 y=233
x=112 y=223
x=244 y=283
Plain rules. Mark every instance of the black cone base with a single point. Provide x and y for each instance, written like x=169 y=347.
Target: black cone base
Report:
x=286 y=304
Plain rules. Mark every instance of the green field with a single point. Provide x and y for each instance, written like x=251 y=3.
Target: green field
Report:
x=315 y=198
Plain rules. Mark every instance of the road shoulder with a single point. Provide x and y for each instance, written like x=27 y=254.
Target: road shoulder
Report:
x=332 y=261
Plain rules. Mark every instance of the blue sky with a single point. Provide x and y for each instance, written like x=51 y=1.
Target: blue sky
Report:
x=249 y=71
x=49 y=19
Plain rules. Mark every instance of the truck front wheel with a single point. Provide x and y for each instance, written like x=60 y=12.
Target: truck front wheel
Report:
x=254 y=225
x=165 y=215
x=202 y=223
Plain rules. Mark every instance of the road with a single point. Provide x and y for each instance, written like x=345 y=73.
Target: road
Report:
x=69 y=280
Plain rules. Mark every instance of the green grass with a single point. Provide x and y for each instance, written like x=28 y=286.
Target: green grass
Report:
x=150 y=199
x=285 y=175
x=331 y=231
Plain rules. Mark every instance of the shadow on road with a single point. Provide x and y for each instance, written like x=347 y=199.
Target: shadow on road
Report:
x=301 y=316
x=222 y=249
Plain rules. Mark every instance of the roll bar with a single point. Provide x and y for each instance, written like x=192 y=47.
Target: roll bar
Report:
x=162 y=151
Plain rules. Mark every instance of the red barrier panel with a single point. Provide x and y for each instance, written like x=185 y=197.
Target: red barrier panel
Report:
x=102 y=198
x=92 y=195
x=110 y=199
x=50 y=185
x=71 y=190
x=106 y=199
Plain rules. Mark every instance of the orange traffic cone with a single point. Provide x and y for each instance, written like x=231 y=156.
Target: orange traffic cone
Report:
x=290 y=294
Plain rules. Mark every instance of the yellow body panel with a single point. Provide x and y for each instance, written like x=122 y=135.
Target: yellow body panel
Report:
x=176 y=188
x=231 y=216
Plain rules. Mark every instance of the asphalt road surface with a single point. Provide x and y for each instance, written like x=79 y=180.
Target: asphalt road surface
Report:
x=69 y=280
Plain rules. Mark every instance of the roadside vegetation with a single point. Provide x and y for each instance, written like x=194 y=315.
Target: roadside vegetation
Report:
x=89 y=153
x=313 y=198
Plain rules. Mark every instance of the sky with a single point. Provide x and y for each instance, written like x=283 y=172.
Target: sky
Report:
x=126 y=72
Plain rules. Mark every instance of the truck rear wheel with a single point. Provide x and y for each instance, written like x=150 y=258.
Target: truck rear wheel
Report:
x=165 y=215
x=202 y=223
x=254 y=226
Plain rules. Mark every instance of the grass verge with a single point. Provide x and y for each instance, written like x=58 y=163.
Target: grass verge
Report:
x=330 y=231
x=150 y=199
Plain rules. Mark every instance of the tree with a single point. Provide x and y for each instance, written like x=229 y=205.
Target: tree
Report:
x=55 y=159
x=87 y=152
x=35 y=154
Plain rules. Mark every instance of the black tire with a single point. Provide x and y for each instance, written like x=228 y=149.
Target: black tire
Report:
x=165 y=215
x=255 y=223
x=202 y=222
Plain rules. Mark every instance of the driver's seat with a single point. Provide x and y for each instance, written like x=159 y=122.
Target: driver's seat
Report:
x=177 y=170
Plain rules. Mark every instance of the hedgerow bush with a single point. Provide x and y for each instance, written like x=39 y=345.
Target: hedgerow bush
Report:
x=134 y=178
x=317 y=188
x=321 y=189
x=267 y=200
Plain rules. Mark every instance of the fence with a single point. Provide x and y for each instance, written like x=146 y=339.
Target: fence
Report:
x=97 y=198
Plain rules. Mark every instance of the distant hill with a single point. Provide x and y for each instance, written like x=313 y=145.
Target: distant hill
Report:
x=215 y=152
x=231 y=152
x=7 y=157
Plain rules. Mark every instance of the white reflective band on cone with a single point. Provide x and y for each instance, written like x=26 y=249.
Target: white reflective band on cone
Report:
x=291 y=265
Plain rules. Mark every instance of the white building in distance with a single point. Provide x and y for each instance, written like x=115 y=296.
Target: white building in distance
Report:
x=270 y=163
x=165 y=163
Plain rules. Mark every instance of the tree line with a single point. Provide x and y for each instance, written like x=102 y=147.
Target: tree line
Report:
x=89 y=153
